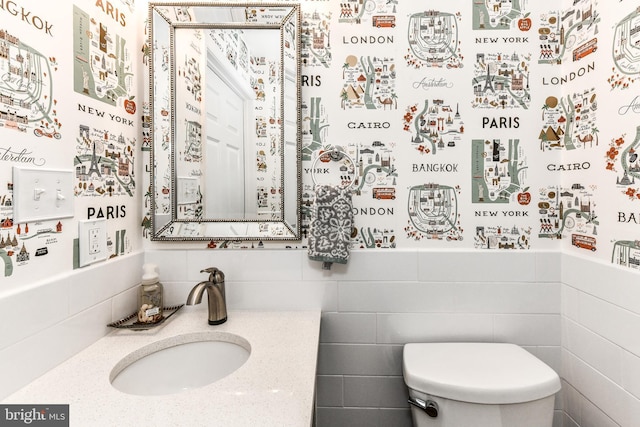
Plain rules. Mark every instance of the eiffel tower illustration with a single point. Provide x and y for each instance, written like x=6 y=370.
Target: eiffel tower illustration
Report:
x=488 y=83
x=94 y=163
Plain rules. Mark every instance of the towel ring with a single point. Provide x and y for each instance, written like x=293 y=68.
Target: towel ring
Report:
x=335 y=155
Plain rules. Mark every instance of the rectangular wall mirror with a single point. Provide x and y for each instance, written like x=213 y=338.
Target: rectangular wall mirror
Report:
x=225 y=111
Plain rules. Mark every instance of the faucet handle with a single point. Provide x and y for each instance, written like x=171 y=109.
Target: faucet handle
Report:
x=215 y=275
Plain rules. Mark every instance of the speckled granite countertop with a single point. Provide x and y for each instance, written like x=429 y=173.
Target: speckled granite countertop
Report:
x=275 y=387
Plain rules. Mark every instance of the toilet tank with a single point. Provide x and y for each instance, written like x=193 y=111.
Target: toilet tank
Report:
x=479 y=385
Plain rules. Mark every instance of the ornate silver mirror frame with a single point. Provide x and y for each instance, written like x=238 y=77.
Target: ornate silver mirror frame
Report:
x=194 y=49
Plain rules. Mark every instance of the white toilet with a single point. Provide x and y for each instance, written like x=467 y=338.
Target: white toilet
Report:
x=478 y=385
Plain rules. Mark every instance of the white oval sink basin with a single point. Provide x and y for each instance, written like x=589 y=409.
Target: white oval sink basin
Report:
x=180 y=363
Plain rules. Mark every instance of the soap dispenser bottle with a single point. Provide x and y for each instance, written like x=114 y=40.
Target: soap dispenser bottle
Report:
x=150 y=298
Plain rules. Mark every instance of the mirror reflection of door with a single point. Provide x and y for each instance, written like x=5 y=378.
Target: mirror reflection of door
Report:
x=225 y=195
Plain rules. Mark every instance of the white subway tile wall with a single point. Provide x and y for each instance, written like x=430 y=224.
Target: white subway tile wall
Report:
x=600 y=351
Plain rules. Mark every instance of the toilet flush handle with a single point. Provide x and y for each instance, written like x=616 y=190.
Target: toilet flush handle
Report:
x=428 y=406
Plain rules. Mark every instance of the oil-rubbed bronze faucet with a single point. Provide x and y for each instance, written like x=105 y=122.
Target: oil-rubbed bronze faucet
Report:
x=215 y=293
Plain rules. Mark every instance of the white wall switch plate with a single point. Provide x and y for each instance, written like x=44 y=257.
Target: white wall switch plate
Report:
x=187 y=190
x=92 y=241
x=41 y=194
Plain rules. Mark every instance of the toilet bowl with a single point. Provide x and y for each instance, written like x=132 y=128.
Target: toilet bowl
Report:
x=478 y=385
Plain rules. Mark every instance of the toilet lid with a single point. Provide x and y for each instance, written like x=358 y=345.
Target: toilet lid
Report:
x=490 y=373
